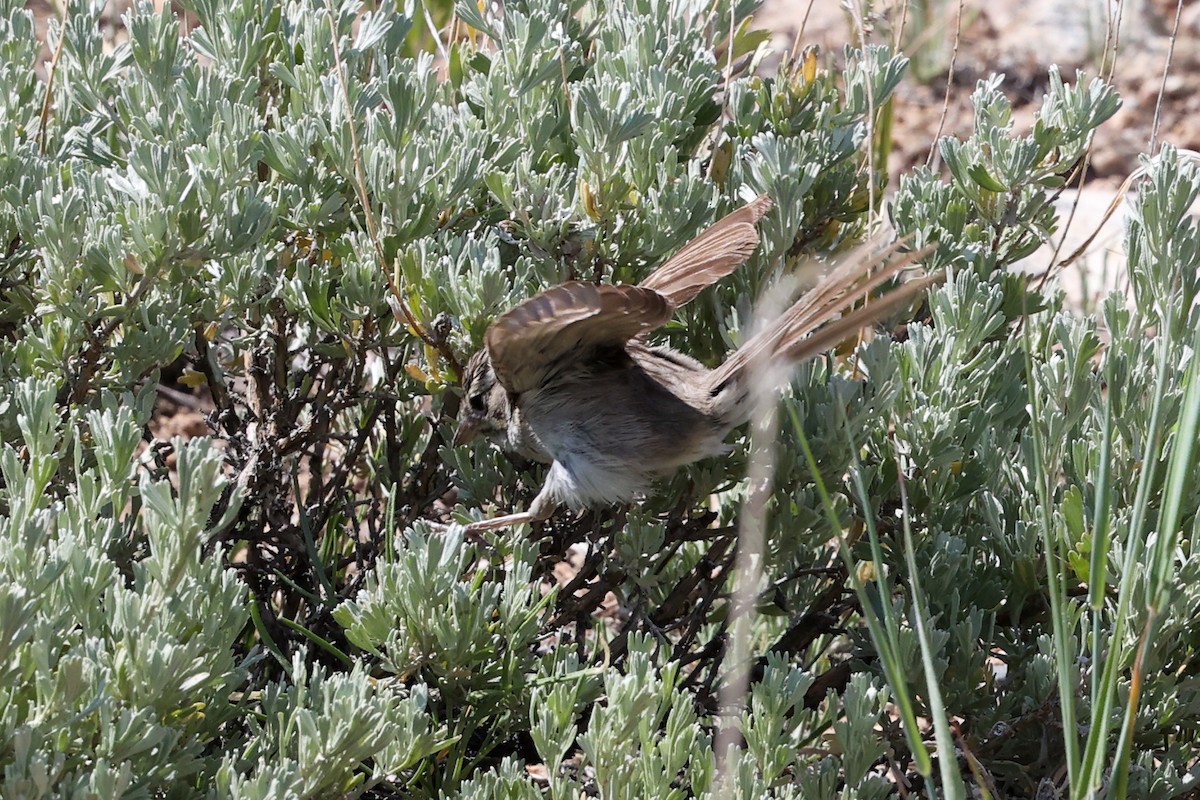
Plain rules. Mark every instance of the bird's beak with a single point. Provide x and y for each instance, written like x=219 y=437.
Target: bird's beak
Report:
x=467 y=430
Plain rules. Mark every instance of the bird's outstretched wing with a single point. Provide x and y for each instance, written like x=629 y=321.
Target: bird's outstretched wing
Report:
x=712 y=255
x=575 y=321
x=839 y=306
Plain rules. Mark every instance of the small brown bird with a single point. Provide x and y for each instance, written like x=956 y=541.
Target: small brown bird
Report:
x=567 y=378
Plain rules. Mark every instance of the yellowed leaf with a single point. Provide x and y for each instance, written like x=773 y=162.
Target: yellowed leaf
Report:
x=192 y=379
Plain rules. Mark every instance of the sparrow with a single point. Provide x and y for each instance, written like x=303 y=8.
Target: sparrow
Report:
x=568 y=378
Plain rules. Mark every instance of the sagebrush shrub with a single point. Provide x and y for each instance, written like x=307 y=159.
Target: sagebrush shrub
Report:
x=313 y=212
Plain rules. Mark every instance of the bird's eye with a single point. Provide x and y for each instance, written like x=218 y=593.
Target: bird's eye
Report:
x=476 y=401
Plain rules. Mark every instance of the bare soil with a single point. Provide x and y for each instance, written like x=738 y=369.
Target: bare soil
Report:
x=1022 y=39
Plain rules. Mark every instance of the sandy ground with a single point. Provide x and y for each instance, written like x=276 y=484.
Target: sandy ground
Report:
x=1022 y=39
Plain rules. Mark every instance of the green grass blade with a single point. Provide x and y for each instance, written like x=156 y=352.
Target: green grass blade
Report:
x=884 y=644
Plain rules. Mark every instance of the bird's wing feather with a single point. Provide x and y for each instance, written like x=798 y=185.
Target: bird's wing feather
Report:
x=571 y=320
x=577 y=318
x=827 y=313
x=712 y=255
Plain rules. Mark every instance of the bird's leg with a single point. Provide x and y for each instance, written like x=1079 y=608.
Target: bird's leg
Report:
x=491 y=524
x=540 y=510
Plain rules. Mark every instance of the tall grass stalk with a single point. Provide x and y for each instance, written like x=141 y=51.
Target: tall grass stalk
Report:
x=1045 y=473
x=880 y=618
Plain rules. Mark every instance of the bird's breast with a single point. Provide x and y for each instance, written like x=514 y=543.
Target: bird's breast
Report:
x=644 y=416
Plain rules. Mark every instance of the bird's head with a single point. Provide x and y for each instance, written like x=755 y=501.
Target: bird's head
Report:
x=485 y=408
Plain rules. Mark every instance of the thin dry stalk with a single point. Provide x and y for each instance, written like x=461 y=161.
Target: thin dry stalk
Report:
x=1112 y=39
x=1162 y=86
x=48 y=97
x=898 y=39
x=748 y=564
x=949 y=85
x=800 y=33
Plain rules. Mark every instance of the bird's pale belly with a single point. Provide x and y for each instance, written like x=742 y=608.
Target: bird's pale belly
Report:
x=611 y=432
